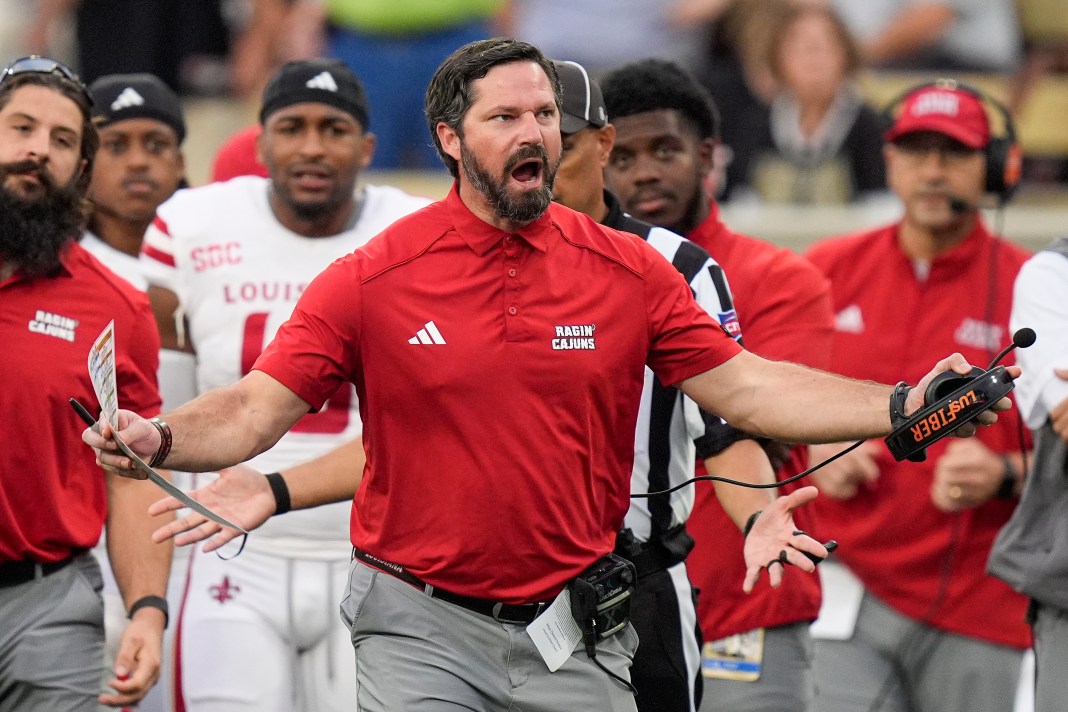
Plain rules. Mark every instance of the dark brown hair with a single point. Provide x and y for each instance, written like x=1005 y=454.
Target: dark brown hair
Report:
x=450 y=94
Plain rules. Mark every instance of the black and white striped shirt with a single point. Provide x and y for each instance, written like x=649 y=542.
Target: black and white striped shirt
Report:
x=672 y=430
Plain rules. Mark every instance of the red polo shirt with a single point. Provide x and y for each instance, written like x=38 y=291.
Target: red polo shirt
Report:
x=892 y=325
x=52 y=494
x=499 y=377
x=784 y=309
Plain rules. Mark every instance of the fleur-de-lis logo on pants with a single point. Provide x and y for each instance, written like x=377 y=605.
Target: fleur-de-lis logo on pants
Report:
x=224 y=591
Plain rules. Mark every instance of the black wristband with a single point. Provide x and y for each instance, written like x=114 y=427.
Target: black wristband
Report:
x=166 y=439
x=1007 y=490
x=897 y=404
x=157 y=602
x=280 y=491
x=749 y=523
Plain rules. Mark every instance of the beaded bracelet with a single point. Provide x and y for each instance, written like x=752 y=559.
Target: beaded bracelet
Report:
x=166 y=439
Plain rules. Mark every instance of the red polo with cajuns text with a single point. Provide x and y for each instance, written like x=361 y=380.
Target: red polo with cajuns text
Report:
x=52 y=495
x=891 y=324
x=499 y=377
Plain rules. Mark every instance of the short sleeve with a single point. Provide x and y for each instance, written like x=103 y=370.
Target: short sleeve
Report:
x=137 y=361
x=684 y=340
x=317 y=348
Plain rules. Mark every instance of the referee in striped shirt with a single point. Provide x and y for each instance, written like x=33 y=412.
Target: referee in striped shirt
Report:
x=671 y=431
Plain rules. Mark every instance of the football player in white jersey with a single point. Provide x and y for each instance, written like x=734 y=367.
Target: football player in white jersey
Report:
x=260 y=631
x=138 y=166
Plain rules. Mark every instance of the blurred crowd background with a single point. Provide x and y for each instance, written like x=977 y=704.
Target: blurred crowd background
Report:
x=801 y=84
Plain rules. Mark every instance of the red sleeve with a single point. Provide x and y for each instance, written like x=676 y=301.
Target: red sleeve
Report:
x=683 y=339
x=317 y=349
x=795 y=320
x=138 y=360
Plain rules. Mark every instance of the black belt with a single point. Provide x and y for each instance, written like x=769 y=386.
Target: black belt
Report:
x=518 y=613
x=650 y=557
x=13 y=573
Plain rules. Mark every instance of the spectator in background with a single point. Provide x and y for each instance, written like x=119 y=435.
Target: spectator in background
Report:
x=599 y=35
x=395 y=46
x=172 y=39
x=737 y=75
x=823 y=143
x=274 y=32
x=945 y=35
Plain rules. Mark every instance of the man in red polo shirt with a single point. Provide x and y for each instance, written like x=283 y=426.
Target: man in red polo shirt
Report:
x=497 y=343
x=933 y=629
x=55 y=299
x=757 y=653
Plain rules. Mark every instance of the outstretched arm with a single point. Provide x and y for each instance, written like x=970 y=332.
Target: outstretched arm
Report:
x=220 y=428
x=796 y=404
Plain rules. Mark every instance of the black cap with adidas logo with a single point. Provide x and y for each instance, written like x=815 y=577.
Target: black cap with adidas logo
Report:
x=117 y=97
x=325 y=81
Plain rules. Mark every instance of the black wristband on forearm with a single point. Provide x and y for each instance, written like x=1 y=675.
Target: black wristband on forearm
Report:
x=280 y=491
x=157 y=602
x=749 y=523
x=897 y=404
x=1009 y=478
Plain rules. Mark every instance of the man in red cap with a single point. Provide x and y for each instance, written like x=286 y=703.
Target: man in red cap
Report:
x=916 y=623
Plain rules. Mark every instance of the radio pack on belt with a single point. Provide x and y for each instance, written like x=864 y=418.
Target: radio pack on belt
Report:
x=600 y=598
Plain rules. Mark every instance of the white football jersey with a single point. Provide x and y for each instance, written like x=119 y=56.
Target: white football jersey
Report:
x=238 y=274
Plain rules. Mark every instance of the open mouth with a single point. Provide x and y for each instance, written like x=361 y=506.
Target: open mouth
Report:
x=528 y=172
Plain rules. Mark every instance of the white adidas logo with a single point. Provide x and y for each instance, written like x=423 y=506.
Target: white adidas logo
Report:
x=850 y=320
x=129 y=97
x=429 y=334
x=323 y=80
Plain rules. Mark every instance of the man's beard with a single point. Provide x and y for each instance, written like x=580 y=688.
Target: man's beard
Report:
x=527 y=206
x=34 y=231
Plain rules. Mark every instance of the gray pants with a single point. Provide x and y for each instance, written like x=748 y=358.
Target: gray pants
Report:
x=1051 y=659
x=786 y=682
x=52 y=641
x=895 y=664
x=419 y=654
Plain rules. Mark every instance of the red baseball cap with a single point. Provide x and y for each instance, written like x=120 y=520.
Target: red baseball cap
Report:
x=944 y=109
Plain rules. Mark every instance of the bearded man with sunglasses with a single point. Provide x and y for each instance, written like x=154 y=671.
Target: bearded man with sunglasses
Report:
x=55 y=299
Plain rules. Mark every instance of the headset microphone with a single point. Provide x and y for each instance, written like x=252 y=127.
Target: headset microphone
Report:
x=1022 y=339
x=951 y=400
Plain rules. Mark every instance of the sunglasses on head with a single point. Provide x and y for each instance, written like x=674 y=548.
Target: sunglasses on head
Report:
x=35 y=64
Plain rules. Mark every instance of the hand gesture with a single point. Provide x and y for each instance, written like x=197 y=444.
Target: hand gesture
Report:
x=775 y=541
x=241 y=494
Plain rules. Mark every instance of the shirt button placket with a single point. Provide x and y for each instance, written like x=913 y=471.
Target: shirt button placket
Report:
x=511 y=287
